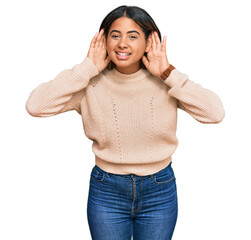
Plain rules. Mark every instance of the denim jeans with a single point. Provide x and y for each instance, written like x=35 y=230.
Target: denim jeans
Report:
x=120 y=207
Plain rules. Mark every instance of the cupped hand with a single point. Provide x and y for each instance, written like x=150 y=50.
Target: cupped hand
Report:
x=97 y=51
x=156 y=61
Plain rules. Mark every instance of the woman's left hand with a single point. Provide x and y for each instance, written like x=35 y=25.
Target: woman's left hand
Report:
x=156 y=61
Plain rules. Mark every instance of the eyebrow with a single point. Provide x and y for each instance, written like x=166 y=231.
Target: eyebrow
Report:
x=133 y=31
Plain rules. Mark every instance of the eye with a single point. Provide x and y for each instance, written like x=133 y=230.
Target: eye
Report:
x=133 y=37
x=115 y=36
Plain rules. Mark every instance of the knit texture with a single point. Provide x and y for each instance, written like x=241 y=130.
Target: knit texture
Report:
x=131 y=118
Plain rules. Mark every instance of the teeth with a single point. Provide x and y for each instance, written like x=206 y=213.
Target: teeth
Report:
x=123 y=54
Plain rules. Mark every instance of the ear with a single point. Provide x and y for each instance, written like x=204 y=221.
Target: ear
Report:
x=148 y=44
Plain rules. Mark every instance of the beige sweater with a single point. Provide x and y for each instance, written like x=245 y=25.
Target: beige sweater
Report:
x=131 y=118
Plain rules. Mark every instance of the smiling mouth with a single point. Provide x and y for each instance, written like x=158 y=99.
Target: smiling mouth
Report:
x=123 y=54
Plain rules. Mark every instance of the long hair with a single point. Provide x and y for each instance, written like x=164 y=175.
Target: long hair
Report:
x=138 y=15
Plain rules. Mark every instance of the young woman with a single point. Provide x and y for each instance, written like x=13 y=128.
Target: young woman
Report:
x=128 y=93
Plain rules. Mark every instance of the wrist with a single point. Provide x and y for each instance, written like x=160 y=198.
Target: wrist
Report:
x=165 y=74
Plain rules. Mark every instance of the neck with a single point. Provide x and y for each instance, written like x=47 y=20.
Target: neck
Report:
x=129 y=70
x=123 y=78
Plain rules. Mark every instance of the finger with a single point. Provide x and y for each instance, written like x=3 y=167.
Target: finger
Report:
x=107 y=60
x=99 y=38
x=163 y=46
x=103 y=43
x=145 y=61
x=94 y=40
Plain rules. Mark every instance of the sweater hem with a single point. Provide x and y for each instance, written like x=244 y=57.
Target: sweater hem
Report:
x=137 y=169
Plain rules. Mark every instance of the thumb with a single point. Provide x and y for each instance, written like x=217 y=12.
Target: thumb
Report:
x=107 y=60
x=145 y=61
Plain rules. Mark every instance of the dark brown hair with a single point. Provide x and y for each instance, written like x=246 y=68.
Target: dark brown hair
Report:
x=138 y=15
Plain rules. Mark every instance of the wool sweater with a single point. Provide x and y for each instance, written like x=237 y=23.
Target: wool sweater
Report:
x=131 y=118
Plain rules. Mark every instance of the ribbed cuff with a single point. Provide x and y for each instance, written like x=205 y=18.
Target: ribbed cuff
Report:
x=175 y=78
x=88 y=65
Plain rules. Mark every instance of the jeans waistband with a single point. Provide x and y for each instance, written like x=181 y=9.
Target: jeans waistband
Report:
x=108 y=174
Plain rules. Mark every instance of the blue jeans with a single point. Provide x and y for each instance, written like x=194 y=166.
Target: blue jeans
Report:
x=121 y=206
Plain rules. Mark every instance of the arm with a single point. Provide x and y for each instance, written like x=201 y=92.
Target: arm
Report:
x=202 y=104
x=63 y=93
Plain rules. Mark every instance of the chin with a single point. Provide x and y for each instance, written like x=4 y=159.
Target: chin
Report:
x=121 y=64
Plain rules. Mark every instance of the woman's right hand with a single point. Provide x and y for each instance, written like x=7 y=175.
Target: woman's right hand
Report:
x=97 y=51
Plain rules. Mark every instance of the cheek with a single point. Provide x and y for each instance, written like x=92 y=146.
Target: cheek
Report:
x=110 y=52
x=141 y=48
x=110 y=45
x=109 y=48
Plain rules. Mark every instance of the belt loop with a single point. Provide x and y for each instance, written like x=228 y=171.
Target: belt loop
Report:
x=151 y=176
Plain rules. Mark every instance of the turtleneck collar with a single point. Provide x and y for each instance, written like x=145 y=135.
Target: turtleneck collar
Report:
x=119 y=77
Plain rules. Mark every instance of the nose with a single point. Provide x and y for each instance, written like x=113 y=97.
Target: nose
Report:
x=122 y=43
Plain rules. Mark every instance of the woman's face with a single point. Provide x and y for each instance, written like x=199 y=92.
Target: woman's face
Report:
x=126 y=45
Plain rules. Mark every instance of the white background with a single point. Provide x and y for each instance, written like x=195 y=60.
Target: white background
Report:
x=46 y=162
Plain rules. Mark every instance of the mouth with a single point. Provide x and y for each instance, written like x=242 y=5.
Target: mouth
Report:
x=122 y=55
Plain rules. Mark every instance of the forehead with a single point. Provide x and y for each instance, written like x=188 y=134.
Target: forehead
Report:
x=125 y=24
